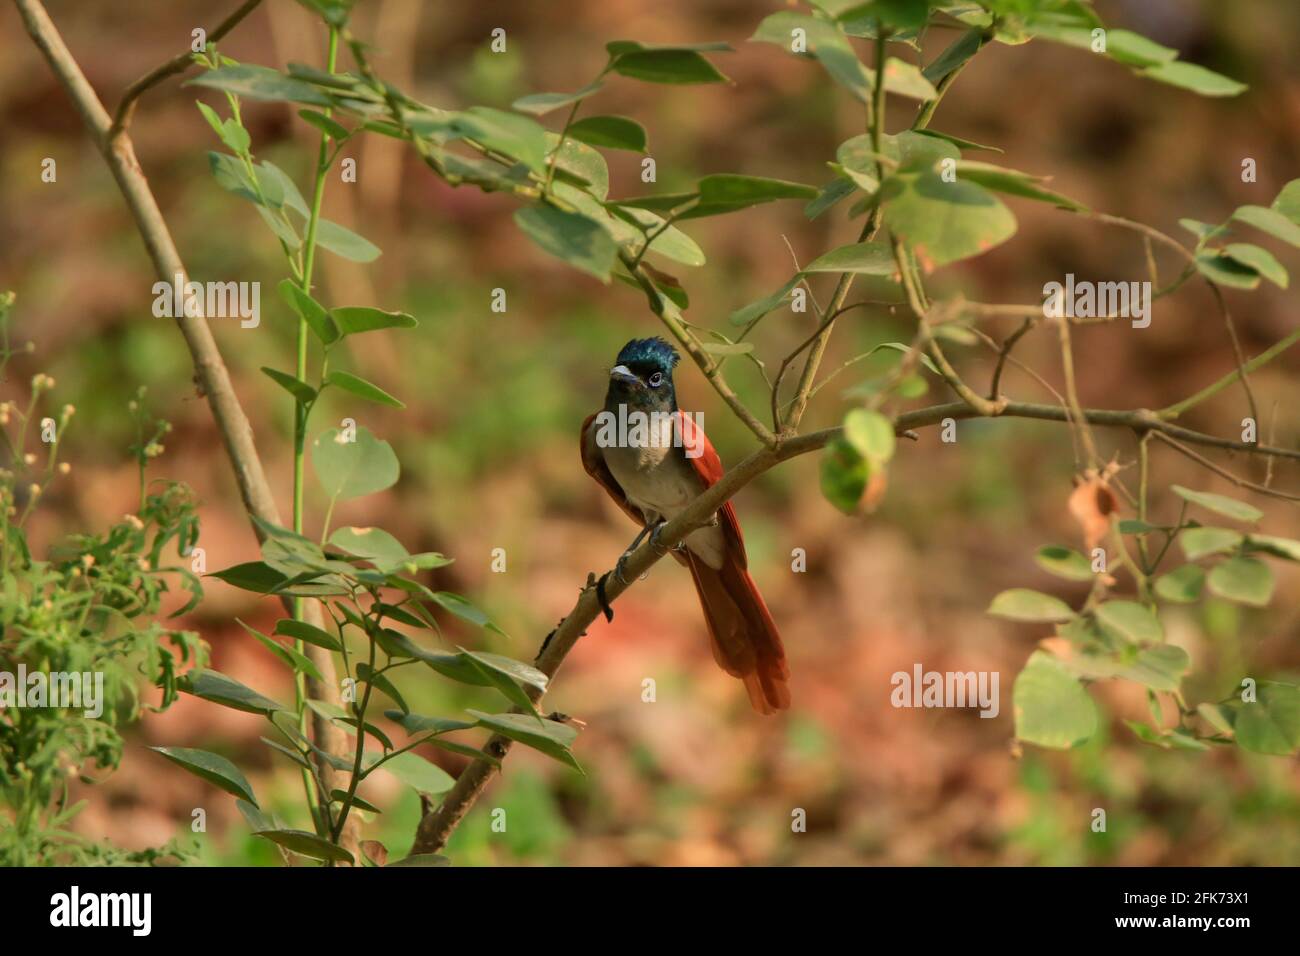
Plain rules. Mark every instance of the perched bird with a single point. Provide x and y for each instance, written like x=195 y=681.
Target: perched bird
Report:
x=653 y=459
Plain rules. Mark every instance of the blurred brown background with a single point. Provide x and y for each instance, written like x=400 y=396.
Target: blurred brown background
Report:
x=489 y=452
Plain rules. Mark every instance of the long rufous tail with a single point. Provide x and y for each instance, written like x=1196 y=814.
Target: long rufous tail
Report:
x=742 y=633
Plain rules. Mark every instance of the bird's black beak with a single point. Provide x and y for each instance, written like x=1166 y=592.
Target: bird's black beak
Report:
x=623 y=375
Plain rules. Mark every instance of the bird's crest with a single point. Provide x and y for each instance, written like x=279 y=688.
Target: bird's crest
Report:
x=648 y=352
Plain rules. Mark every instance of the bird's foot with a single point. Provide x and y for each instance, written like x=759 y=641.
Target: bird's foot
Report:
x=621 y=565
x=655 y=540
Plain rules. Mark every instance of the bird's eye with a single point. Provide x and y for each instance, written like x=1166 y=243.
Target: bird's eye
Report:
x=656 y=379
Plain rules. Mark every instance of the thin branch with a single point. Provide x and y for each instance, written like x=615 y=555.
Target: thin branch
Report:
x=213 y=377
x=869 y=229
x=1263 y=358
x=708 y=365
x=176 y=65
x=1004 y=353
x=1072 y=396
x=1223 y=472
x=436 y=827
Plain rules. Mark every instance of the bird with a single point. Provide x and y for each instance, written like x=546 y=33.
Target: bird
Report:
x=653 y=460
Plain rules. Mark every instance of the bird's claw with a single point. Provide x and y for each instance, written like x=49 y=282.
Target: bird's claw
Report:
x=620 y=566
x=657 y=544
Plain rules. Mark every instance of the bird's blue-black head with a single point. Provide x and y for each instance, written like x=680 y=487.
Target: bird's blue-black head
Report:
x=642 y=376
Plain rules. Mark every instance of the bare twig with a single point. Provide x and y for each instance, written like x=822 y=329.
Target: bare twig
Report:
x=1223 y=472
x=177 y=64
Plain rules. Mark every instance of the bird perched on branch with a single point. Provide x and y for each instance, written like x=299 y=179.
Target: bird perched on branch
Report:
x=653 y=460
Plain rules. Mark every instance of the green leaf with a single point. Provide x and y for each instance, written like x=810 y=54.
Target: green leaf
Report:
x=1270 y=221
x=416 y=772
x=671 y=243
x=844 y=475
x=943 y=222
x=326 y=125
x=1244 y=580
x=213 y=768
x=756 y=310
x=837 y=189
x=310 y=311
x=353 y=320
x=825 y=41
x=1288 y=201
x=1219 y=504
x=1271 y=723
x=873 y=258
x=1134 y=622
x=581 y=164
x=1196 y=78
x=1051 y=707
x=539 y=104
x=286 y=751
x=362 y=466
x=547 y=736
x=612 y=132
x=344 y=242
x=419 y=724
x=724 y=193
x=1013 y=183
x=1182 y=585
x=216 y=687
x=663 y=64
x=338 y=796
x=961 y=144
x=1023 y=604
x=374 y=544
x=308 y=633
x=232 y=176
x=1260 y=259
x=955 y=55
x=260 y=83
x=1134 y=49
x=256 y=576
x=871 y=433
x=1203 y=231
x=464 y=609
x=1225 y=270
x=1064 y=563
x=1160 y=667
x=1199 y=542
x=1213 y=715
x=516 y=136
x=905 y=79
x=307 y=844
x=284 y=186
x=1287 y=548
x=581 y=242
x=303 y=393
x=362 y=389
x=289 y=655
x=230 y=131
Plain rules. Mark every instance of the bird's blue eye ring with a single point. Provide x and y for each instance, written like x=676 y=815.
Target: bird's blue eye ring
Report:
x=656 y=379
